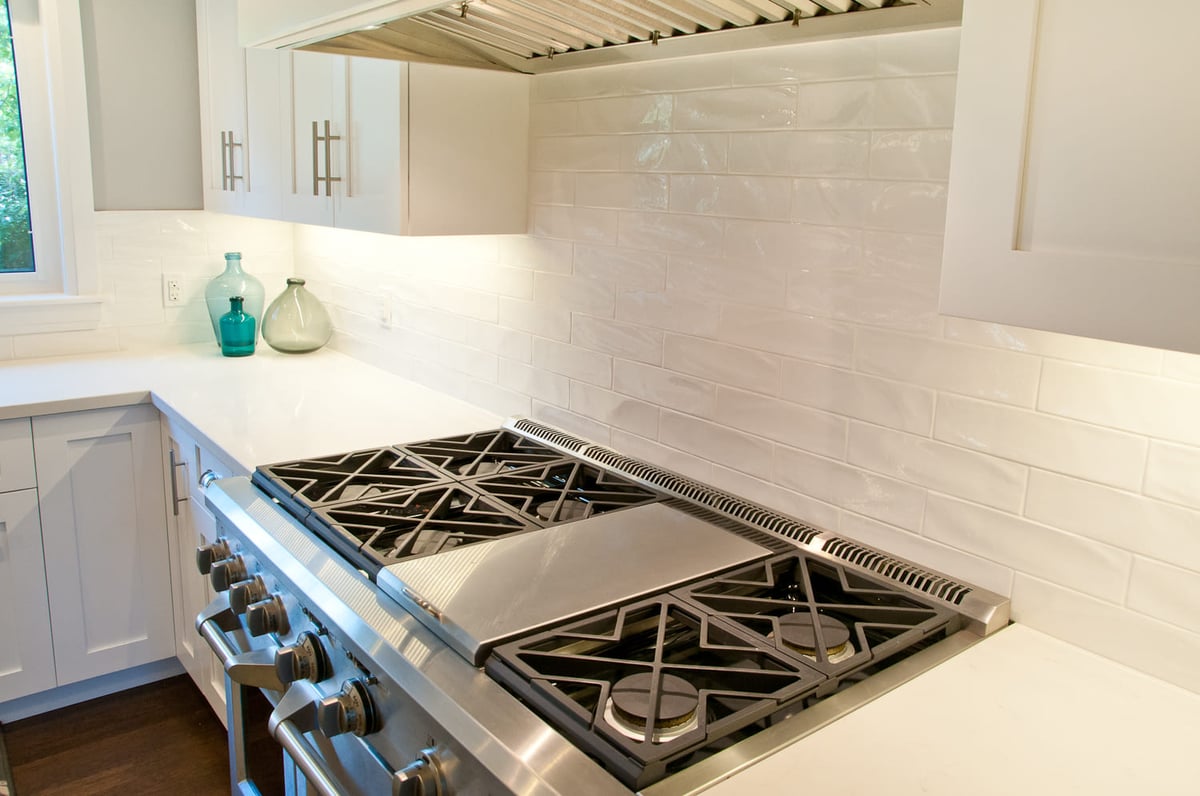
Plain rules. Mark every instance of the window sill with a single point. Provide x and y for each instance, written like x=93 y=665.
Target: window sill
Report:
x=49 y=312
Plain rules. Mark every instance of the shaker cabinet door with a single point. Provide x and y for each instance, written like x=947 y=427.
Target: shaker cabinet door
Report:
x=100 y=482
x=1073 y=198
x=222 y=105
x=26 y=654
x=316 y=117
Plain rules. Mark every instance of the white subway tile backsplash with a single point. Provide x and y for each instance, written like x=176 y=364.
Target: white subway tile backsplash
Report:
x=831 y=153
x=640 y=114
x=1056 y=346
x=910 y=155
x=525 y=316
x=553 y=118
x=814 y=512
x=761 y=240
x=842 y=105
x=1122 y=519
x=907 y=207
x=666 y=232
x=673 y=312
x=572 y=361
x=924 y=552
x=943 y=468
x=736 y=109
x=719 y=279
x=665 y=388
x=1153 y=406
x=924 y=52
x=904 y=102
x=1166 y=592
x=619 y=411
x=1002 y=376
x=849 y=58
x=587 y=224
x=574 y=84
x=507 y=343
x=575 y=293
x=1178 y=365
x=830 y=201
x=668 y=458
x=722 y=364
x=1039 y=550
x=622 y=191
x=570 y=153
x=551 y=187
x=627 y=341
x=731 y=196
x=787 y=333
x=678 y=74
x=851 y=488
x=888 y=403
x=1173 y=473
x=572 y=422
x=535 y=254
x=623 y=268
x=782 y=421
x=543 y=385
x=1051 y=443
x=716 y=443
x=677 y=152
x=1153 y=646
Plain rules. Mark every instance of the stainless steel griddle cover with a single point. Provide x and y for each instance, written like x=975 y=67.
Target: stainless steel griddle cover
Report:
x=478 y=595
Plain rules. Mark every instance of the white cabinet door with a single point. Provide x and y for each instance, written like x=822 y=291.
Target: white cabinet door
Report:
x=265 y=134
x=315 y=115
x=374 y=185
x=1073 y=195
x=100 y=484
x=27 y=653
x=222 y=105
x=193 y=527
x=16 y=456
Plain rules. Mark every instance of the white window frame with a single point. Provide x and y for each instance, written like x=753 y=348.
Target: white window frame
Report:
x=62 y=294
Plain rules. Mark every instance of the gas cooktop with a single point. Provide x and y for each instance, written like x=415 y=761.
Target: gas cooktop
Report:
x=652 y=620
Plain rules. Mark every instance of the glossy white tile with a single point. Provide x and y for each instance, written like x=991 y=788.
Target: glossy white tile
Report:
x=572 y=422
x=944 y=468
x=813 y=512
x=641 y=114
x=910 y=154
x=614 y=409
x=810 y=61
x=831 y=153
x=841 y=105
x=782 y=421
x=622 y=191
x=666 y=232
x=678 y=152
x=572 y=361
x=1123 y=519
x=1052 y=443
x=733 y=449
x=722 y=364
x=575 y=153
x=536 y=254
x=923 y=52
x=663 y=456
x=732 y=196
x=761 y=283
x=670 y=311
x=1034 y=549
x=525 y=316
x=544 y=385
x=623 y=268
x=665 y=388
x=1173 y=473
x=624 y=340
x=850 y=488
x=574 y=293
x=905 y=102
x=893 y=404
x=747 y=108
x=1166 y=592
x=787 y=333
x=1056 y=346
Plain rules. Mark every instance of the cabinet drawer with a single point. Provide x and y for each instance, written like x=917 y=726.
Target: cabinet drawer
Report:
x=16 y=455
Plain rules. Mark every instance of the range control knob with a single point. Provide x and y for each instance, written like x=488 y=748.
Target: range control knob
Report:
x=304 y=660
x=351 y=710
x=207 y=554
x=244 y=592
x=227 y=572
x=422 y=777
x=266 y=616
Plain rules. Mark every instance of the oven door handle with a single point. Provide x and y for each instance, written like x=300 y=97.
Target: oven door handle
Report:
x=295 y=715
x=253 y=668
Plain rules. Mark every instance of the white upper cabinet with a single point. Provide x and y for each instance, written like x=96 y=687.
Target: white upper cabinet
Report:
x=1074 y=187
x=239 y=116
x=406 y=149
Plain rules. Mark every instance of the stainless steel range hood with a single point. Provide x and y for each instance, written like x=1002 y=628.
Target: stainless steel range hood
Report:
x=536 y=36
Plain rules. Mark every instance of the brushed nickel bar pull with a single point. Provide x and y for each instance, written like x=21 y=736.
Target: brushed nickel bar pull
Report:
x=224 y=162
x=233 y=175
x=329 y=178
x=175 y=465
x=315 y=169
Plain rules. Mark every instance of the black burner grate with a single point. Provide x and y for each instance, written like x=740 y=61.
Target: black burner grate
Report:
x=482 y=453
x=419 y=522
x=361 y=475
x=564 y=491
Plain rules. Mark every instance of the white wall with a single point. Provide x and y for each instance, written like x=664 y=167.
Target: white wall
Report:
x=733 y=271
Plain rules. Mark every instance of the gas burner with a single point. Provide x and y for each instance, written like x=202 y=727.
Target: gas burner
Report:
x=798 y=633
x=563 y=491
x=482 y=453
x=629 y=707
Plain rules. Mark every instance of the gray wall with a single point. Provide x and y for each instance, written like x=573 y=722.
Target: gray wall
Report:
x=143 y=103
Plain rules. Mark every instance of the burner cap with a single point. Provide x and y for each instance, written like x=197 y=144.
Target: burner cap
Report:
x=569 y=511
x=798 y=632
x=677 y=702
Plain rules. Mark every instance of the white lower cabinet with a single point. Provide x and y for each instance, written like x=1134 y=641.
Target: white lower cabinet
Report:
x=192 y=525
x=27 y=654
x=103 y=513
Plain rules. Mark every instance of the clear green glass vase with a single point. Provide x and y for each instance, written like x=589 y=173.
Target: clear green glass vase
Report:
x=234 y=282
x=296 y=322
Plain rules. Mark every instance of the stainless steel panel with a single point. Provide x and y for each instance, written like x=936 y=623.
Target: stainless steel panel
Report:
x=477 y=595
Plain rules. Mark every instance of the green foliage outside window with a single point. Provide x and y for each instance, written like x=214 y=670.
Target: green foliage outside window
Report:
x=16 y=240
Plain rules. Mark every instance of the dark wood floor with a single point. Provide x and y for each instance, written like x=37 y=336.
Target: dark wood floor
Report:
x=160 y=738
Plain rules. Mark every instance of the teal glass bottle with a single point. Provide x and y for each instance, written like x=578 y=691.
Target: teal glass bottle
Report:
x=233 y=281
x=238 y=330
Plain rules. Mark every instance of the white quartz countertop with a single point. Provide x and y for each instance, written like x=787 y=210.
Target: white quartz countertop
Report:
x=254 y=410
x=1019 y=713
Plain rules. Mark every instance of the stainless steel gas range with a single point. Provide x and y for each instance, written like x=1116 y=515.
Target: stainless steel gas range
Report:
x=522 y=611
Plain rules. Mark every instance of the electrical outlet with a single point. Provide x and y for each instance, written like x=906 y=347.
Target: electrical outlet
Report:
x=172 y=290
x=383 y=310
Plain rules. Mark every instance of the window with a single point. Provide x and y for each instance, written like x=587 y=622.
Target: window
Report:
x=54 y=290
x=16 y=233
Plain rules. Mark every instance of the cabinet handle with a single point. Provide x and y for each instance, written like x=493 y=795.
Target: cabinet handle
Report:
x=327 y=178
x=233 y=175
x=175 y=499
x=228 y=169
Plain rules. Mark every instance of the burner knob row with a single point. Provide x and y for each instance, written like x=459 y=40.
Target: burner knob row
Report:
x=207 y=555
x=350 y=710
x=304 y=660
x=266 y=616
